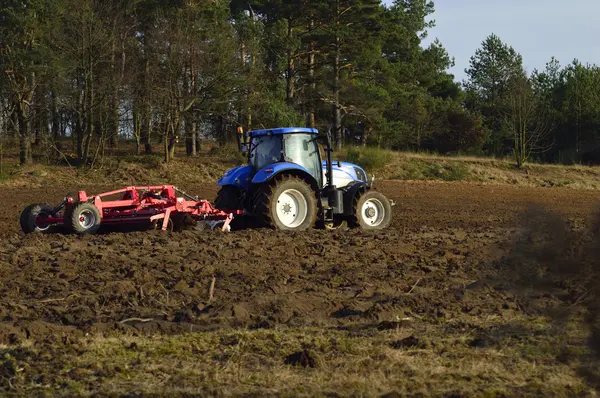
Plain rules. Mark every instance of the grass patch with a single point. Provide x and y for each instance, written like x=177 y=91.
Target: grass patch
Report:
x=293 y=362
x=8 y=172
x=417 y=169
x=368 y=158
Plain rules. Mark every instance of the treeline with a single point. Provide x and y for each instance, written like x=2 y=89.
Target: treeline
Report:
x=551 y=115
x=176 y=72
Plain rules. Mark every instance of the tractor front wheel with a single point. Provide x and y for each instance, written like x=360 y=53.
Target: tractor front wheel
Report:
x=84 y=218
x=288 y=205
x=373 y=211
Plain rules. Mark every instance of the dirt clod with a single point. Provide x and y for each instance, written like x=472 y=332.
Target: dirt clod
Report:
x=304 y=358
x=408 y=342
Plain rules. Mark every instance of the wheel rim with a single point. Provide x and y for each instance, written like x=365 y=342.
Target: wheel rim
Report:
x=40 y=225
x=87 y=219
x=292 y=208
x=373 y=212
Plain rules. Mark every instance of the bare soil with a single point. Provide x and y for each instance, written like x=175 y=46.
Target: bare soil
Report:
x=434 y=272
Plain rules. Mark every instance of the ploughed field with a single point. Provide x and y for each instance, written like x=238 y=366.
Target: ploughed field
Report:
x=458 y=297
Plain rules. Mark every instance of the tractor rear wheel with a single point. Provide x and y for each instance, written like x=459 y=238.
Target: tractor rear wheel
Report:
x=29 y=216
x=84 y=218
x=372 y=211
x=288 y=204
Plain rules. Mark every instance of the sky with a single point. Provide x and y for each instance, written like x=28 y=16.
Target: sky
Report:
x=537 y=29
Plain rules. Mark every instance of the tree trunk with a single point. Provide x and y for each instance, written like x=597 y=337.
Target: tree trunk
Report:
x=337 y=113
x=366 y=132
x=173 y=138
x=310 y=121
x=190 y=139
x=136 y=130
x=166 y=146
x=25 y=156
x=39 y=116
x=79 y=135
x=13 y=131
x=146 y=119
x=289 y=88
x=113 y=116
x=89 y=115
x=55 y=122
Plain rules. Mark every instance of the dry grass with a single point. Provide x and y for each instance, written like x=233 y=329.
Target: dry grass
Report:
x=213 y=161
x=408 y=166
x=359 y=363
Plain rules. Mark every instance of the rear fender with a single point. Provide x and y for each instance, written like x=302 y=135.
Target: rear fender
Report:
x=239 y=177
x=275 y=170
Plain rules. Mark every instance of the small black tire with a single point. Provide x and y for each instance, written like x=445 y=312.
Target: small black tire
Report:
x=372 y=211
x=30 y=213
x=300 y=204
x=84 y=219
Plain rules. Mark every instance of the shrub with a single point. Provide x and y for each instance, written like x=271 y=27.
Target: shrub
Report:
x=368 y=158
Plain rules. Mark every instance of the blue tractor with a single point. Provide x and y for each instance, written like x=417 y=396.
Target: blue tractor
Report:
x=287 y=186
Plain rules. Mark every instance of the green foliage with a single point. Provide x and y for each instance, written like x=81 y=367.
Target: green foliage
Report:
x=491 y=70
x=174 y=72
x=228 y=153
x=367 y=157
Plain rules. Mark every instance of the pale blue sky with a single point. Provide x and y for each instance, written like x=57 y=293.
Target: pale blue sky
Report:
x=537 y=29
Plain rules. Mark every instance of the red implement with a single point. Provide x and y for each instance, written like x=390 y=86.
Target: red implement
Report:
x=159 y=205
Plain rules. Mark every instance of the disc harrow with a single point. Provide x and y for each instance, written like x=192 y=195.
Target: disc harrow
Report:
x=162 y=207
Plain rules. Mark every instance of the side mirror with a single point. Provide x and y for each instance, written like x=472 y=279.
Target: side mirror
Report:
x=244 y=149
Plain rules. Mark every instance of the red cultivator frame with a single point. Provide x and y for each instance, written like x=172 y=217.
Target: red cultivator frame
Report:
x=157 y=206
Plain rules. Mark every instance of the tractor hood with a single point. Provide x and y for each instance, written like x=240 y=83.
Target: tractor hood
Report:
x=345 y=173
x=239 y=176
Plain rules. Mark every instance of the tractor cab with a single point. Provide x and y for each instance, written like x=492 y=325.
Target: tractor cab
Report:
x=287 y=185
x=287 y=145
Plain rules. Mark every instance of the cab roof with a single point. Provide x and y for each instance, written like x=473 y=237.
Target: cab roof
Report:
x=286 y=130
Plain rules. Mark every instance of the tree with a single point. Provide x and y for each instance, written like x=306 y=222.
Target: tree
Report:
x=491 y=69
x=580 y=109
x=527 y=120
x=25 y=59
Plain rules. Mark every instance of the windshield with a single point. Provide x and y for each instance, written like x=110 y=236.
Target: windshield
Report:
x=265 y=150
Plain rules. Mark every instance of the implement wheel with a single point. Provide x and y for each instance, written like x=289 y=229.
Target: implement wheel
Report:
x=288 y=205
x=372 y=211
x=229 y=198
x=84 y=218
x=29 y=216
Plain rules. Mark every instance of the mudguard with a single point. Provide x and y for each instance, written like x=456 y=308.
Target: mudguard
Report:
x=350 y=194
x=267 y=173
x=240 y=177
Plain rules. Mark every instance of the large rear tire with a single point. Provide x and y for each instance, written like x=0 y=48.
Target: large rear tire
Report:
x=372 y=211
x=84 y=219
x=29 y=215
x=289 y=204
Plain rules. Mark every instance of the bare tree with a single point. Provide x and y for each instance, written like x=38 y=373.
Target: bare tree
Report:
x=531 y=127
